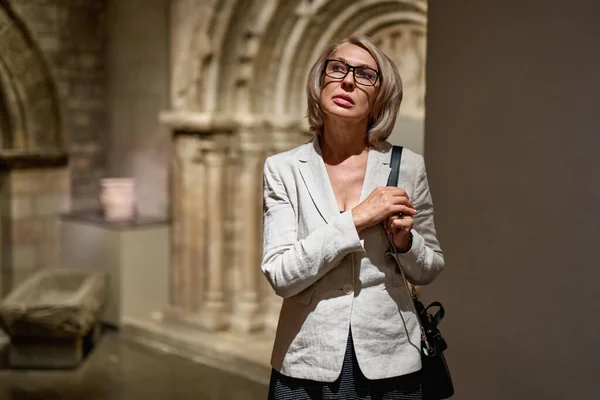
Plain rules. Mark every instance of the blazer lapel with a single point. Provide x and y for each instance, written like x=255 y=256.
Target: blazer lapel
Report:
x=314 y=174
x=378 y=170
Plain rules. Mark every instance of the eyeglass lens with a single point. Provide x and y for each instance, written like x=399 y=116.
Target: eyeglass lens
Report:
x=362 y=75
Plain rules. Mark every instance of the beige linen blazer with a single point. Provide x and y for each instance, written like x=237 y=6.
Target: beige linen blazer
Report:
x=331 y=279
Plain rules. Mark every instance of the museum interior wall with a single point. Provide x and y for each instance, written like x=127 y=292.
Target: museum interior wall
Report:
x=511 y=147
x=81 y=86
x=137 y=63
x=190 y=96
x=53 y=119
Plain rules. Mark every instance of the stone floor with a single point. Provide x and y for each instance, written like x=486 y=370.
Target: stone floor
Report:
x=118 y=369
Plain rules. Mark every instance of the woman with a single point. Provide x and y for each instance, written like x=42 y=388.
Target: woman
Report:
x=346 y=328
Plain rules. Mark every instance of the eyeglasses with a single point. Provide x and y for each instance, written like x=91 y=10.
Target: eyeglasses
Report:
x=338 y=69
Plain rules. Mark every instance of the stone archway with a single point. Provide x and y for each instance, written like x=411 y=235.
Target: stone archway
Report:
x=245 y=58
x=239 y=72
x=28 y=89
x=32 y=153
x=5 y=120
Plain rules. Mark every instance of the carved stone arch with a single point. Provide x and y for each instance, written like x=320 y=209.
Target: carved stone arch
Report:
x=250 y=51
x=229 y=57
x=190 y=48
x=405 y=43
x=267 y=66
x=28 y=89
x=345 y=23
x=11 y=117
x=198 y=45
x=247 y=53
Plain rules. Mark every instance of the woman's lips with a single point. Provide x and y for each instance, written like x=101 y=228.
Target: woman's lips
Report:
x=343 y=101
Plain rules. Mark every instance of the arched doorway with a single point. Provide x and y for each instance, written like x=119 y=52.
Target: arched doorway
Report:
x=33 y=161
x=239 y=72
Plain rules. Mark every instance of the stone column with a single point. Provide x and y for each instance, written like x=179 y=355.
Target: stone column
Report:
x=213 y=314
x=188 y=207
x=246 y=316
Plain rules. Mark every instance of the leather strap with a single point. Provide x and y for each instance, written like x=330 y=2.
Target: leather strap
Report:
x=438 y=316
x=393 y=181
x=395 y=166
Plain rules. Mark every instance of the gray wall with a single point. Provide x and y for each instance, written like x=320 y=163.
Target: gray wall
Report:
x=409 y=134
x=512 y=141
x=138 y=89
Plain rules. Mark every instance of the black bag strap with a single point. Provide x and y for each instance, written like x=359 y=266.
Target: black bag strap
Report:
x=417 y=306
x=438 y=316
x=395 y=166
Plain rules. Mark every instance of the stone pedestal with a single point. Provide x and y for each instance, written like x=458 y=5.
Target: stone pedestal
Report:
x=51 y=353
x=129 y=252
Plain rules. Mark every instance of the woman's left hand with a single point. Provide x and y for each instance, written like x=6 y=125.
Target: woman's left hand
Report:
x=400 y=227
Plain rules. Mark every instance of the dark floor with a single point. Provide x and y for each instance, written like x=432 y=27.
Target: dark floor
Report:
x=120 y=370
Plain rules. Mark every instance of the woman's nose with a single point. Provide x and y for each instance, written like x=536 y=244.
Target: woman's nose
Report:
x=349 y=79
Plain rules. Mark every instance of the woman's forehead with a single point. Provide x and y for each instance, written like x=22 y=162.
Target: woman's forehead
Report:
x=355 y=55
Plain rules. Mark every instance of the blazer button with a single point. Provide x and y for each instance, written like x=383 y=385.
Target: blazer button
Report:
x=347 y=288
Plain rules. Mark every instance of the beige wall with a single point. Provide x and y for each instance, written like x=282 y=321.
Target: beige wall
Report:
x=511 y=142
x=138 y=89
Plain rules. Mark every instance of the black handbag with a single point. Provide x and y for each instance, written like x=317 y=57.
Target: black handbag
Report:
x=437 y=381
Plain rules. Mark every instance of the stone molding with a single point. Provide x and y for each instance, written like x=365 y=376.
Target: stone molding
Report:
x=258 y=64
x=27 y=88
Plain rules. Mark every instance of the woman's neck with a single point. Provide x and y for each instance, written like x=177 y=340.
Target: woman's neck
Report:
x=342 y=139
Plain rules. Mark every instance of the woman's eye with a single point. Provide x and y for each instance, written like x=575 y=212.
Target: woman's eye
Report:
x=367 y=75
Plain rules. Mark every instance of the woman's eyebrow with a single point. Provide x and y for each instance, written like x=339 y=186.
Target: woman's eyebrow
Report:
x=347 y=62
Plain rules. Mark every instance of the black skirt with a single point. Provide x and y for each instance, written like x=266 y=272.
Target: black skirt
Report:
x=351 y=384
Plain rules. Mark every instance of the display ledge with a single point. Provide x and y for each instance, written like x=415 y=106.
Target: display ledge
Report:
x=96 y=217
x=19 y=159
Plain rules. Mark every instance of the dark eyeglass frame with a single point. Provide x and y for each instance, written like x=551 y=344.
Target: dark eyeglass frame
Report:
x=353 y=69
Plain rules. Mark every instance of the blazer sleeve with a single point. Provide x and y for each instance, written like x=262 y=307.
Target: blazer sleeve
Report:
x=424 y=261
x=292 y=265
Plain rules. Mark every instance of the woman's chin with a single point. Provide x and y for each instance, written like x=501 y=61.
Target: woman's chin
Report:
x=344 y=113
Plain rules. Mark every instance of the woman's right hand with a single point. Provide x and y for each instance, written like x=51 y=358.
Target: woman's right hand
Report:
x=380 y=204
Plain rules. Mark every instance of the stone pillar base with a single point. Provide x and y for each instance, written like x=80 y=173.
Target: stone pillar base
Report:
x=209 y=320
x=246 y=318
x=246 y=355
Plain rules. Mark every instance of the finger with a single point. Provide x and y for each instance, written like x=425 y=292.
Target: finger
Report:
x=402 y=200
x=404 y=224
x=405 y=210
x=387 y=224
x=396 y=191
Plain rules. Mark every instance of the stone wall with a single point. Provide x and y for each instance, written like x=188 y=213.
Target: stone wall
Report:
x=30 y=203
x=138 y=144
x=71 y=35
x=52 y=89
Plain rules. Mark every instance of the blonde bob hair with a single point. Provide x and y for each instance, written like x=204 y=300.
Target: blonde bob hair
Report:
x=386 y=104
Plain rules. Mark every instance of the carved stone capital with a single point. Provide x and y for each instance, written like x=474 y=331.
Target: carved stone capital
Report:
x=187 y=149
x=194 y=122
